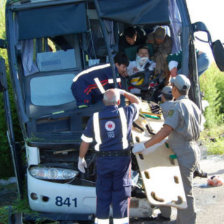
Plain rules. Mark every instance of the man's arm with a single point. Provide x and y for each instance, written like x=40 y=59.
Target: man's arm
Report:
x=131 y=97
x=82 y=152
x=83 y=149
x=174 y=62
x=163 y=133
x=154 y=142
x=87 y=138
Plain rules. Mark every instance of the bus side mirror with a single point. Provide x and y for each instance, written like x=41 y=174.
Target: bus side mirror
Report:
x=218 y=53
x=216 y=46
x=199 y=26
x=3 y=43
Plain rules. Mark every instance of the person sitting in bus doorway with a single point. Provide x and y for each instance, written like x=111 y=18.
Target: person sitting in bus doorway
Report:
x=86 y=86
x=142 y=62
x=162 y=47
x=182 y=126
x=111 y=129
x=175 y=62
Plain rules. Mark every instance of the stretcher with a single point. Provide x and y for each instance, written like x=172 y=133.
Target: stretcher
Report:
x=159 y=169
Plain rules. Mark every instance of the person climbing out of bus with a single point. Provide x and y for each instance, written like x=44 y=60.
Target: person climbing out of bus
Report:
x=132 y=36
x=86 y=86
x=162 y=47
x=131 y=39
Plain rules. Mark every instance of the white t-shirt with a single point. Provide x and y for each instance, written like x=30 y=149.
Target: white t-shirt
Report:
x=134 y=68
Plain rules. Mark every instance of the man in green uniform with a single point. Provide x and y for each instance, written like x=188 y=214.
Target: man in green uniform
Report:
x=183 y=126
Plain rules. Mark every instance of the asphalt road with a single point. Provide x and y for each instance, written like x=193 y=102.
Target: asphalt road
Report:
x=209 y=200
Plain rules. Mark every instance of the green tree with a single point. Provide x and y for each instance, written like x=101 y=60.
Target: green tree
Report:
x=6 y=169
x=212 y=84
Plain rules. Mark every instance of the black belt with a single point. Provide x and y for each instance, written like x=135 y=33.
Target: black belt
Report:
x=114 y=153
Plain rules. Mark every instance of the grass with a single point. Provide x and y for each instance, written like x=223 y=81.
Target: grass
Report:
x=16 y=207
x=213 y=139
x=19 y=206
x=212 y=84
x=12 y=207
x=4 y=211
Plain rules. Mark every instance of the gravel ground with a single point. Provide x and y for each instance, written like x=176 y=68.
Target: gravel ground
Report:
x=209 y=200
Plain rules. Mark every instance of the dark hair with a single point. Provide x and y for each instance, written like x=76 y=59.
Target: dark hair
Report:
x=130 y=32
x=183 y=91
x=121 y=58
x=143 y=47
x=168 y=96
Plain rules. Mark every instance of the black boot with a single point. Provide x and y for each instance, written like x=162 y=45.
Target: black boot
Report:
x=201 y=174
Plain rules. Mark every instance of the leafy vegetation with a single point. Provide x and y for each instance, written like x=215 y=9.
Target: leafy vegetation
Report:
x=19 y=206
x=4 y=214
x=212 y=85
x=213 y=138
x=6 y=168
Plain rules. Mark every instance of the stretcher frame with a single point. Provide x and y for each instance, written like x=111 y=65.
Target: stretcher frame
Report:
x=160 y=170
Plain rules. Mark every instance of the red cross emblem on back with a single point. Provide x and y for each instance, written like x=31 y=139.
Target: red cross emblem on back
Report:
x=110 y=126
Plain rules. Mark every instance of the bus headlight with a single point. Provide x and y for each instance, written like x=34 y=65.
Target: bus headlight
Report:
x=50 y=173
